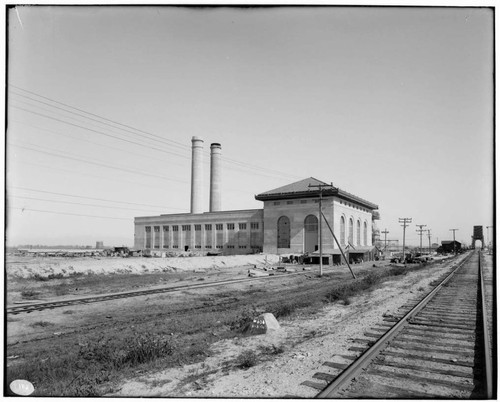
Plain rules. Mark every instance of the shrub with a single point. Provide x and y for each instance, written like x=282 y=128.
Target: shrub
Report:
x=42 y=324
x=60 y=275
x=284 y=310
x=29 y=294
x=247 y=359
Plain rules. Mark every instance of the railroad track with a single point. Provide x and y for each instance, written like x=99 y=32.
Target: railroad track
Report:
x=434 y=349
x=38 y=306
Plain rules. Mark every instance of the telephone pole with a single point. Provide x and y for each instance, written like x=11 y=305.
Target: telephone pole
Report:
x=454 y=230
x=405 y=222
x=320 y=188
x=429 y=235
x=385 y=231
x=420 y=231
x=488 y=236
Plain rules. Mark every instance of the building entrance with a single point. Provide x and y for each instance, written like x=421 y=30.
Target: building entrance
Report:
x=310 y=234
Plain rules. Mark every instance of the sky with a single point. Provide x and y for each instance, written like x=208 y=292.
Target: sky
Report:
x=392 y=104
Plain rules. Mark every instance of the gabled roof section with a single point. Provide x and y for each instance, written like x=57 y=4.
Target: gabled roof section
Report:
x=297 y=187
x=302 y=189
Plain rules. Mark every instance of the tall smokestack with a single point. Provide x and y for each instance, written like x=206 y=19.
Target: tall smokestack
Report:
x=197 y=176
x=215 y=177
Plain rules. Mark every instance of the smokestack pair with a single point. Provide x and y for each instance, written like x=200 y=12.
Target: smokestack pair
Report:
x=197 y=176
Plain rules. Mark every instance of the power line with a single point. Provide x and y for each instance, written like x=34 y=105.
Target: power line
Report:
x=113 y=179
x=89 y=198
x=94 y=143
x=80 y=203
x=68 y=213
x=97 y=163
x=178 y=144
x=100 y=132
x=156 y=137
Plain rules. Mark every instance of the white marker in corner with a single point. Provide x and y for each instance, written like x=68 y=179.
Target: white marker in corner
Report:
x=22 y=387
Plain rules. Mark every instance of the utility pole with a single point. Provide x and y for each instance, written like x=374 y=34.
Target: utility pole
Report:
x=385 y=231
x=454 y=230
x=405 y=222
x=420 y=231
x=320 y=188
x=429 y=235
x=488 y=236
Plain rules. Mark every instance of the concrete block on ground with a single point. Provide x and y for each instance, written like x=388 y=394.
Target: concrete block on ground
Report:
x=263 y=324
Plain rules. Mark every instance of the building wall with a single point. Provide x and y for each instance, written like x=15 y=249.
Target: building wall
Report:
x=298 y=209
x=230 y=232
x=350 y=210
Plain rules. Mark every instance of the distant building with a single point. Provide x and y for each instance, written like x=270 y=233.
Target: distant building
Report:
x=449 y=246
x=99 y=245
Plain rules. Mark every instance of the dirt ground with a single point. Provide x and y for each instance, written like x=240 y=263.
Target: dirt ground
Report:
x=308 y=343
x=302 y=344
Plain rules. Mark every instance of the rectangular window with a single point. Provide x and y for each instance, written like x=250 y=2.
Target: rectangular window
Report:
x=197 y=227
x=219 y=226
x=157 y=237
x=242 y=246
x=230 y=246
x=242 y=226
x=289 y=202
x=230 y=226
x=175 y=228
x=166 y=237
x=208 y=236
x=303 y=201
x=276 y=203
x=148 y=237
x=316 y=201
x=186 y=228
x=254 y=225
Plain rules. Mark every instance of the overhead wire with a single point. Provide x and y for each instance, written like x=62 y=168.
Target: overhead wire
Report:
x=82 y=196
x=80 y=203
x=233 y=161
x=68 y=213
x=98 y=163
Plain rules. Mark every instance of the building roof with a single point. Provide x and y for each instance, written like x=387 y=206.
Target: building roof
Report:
x=307 y=188
x=449 y=242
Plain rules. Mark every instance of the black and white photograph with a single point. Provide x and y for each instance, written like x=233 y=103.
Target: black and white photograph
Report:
x=286 y=201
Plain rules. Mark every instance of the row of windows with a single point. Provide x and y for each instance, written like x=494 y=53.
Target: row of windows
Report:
x=199 y=246
x=293 y=202
x=311 y=226
x=353 y=206
x=197 y=228
x=351 y=232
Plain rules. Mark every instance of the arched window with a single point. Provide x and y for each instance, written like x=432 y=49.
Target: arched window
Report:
x=365 y=234
x=342 y=231
x=311 y=223
x=284 y=232
x=351 y=230
x=358 y=233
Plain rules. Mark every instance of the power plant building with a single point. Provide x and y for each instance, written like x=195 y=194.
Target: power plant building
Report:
x=287 y=224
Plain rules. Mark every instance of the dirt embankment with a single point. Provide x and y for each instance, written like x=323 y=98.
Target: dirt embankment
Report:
x=25 y=267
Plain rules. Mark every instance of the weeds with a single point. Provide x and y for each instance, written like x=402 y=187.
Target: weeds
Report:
x=29 y=294
x=133 y=350
x=42 y=324
x=247 y=359
x=272 y=350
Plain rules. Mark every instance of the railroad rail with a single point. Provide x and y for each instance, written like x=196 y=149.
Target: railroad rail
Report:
x=438 y=348
x=38 y=306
